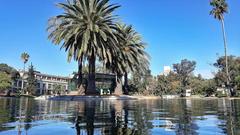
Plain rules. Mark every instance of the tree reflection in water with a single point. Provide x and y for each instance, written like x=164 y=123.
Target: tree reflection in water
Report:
x=116 y=117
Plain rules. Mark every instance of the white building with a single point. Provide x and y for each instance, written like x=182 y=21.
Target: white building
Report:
x=45 y=82
x=166 y=70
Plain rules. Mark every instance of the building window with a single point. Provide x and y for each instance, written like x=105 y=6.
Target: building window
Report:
x=44 y=86
x=19 y=83
x=49 y=86
x=38 y=85
x=24 y=84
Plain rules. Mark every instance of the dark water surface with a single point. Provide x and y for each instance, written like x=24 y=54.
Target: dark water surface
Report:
x=114 y=117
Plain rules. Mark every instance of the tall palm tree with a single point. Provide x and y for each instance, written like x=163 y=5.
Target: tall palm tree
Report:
x=133 y=51
x=130 y=54
x=86 y=31
x=25 y=57
x=220 y=7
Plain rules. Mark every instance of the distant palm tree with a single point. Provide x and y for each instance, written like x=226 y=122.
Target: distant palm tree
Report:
x=25 y=57
x=220 y=7
x=86 y=29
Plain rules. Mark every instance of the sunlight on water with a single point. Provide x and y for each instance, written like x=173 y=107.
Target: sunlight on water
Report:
x=103 y=117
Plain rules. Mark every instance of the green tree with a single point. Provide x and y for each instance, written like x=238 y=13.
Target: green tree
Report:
x=5 y=81
x=174 y=83
x=220 y=7
x=163 y=84
x=234 y=68
x=7 y=69
x=237 y=80
x=11 y=72
x=141 y=83
x=136 y=83
x=58 y=88
x=197 y=84
x=209 y=87
x=86 y=31
x=185 y=71
x=25 y=57
x=31 y=87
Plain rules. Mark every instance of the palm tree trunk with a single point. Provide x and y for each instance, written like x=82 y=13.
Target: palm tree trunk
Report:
x=126 y=83
x=118 y=88
x=91 y=87
x=79 y=74
x=24 y=67
x=226 y=57
x=80 y=88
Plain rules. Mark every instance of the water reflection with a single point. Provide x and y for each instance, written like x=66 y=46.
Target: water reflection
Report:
x=114 y=117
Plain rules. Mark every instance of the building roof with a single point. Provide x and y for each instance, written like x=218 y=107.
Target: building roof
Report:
x=56 y=76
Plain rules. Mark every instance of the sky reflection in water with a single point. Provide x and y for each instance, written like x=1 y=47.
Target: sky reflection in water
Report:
x=114 y=117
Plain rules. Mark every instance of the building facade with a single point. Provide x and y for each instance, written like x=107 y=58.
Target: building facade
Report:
x=52 y=84
x=166 y=70
x=45 y=82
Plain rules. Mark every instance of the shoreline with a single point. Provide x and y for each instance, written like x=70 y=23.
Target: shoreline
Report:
x=114 y=97
x=126 y=97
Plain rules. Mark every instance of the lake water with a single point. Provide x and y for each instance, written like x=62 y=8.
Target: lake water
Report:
x=26 y=116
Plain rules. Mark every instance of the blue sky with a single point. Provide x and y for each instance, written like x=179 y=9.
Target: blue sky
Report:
x=173 y=30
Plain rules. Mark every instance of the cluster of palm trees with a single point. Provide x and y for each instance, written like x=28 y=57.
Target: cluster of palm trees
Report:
x=89 y=31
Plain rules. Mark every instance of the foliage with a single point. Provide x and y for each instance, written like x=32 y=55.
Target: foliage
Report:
x=12 y=73
x=58 y=88
x=5 y=68
x=220 y=94
x=168 y=84
x=184 y=71
x=25 y=57
x=234 y=71
x=163 y=85
x=209 y=87
x=131 y=52
x=31 y=87
x=139 y=83
x=131 y=56
x=197 y=85
x=174 y=83
x=219 y=8
x=146 y=84
x=5 y=81
x=237 y=80
x=86 y=31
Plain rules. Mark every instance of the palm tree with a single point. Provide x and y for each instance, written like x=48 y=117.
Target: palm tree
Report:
x=220 y=7
x=129 y=56
x=25 y=57
x=86 y=31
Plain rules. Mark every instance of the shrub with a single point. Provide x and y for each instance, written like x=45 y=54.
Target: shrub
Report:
x=220 y=94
